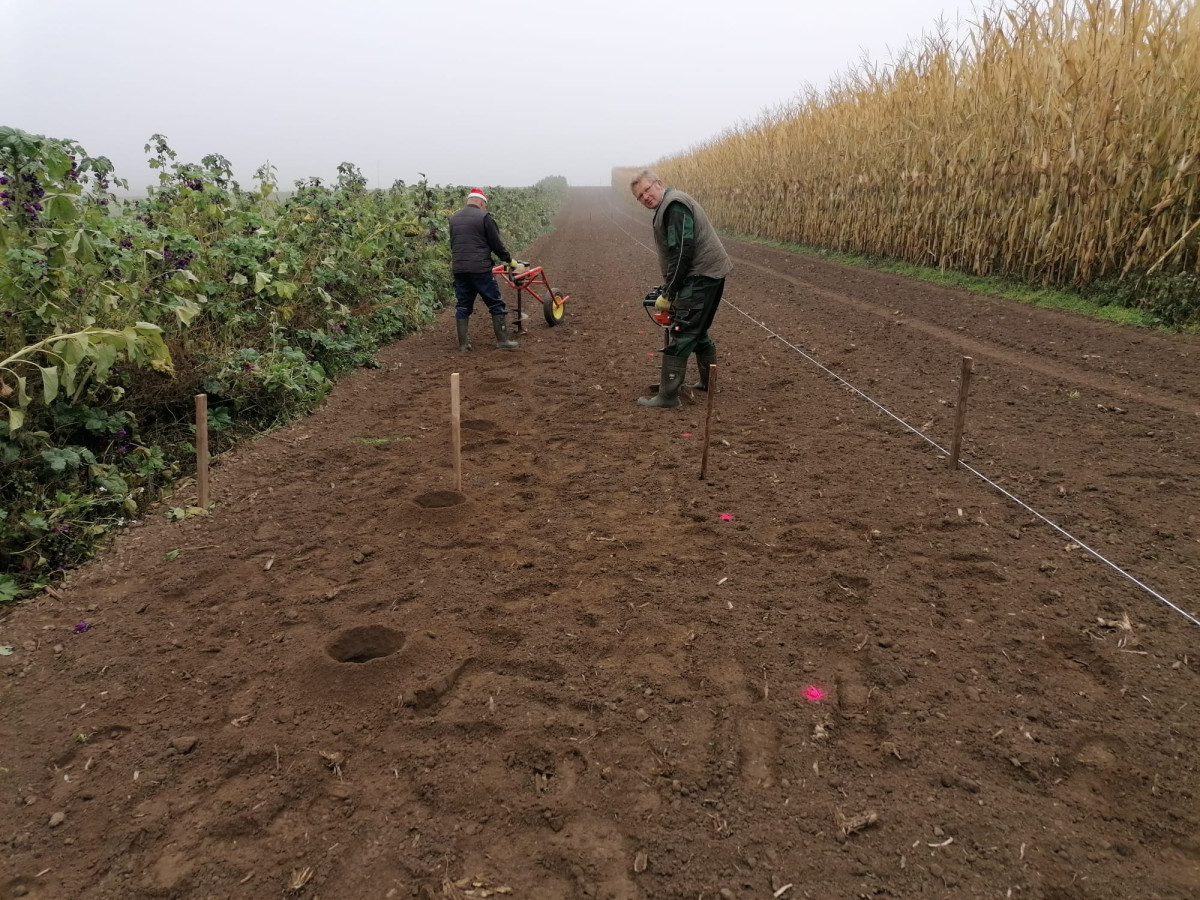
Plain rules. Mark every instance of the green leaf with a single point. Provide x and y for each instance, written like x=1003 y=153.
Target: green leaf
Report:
x=239 y=278
x=68 y=377
x=59 y=458
x=261 y=280
x=87 y=250
x=170 y=555
x=286 y=290
x=115 y=485
x=37 y=520
x=59 y=206
x=98 y=421
x=151 y=349
x=49 y=383
x=185 y=310
x=22 y=394
x=77 y=350
x=105 y=355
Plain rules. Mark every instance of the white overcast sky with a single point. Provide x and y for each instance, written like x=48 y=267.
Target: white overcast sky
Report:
x=488 y=92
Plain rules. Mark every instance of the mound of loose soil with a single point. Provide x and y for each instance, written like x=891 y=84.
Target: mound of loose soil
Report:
x=835 y=668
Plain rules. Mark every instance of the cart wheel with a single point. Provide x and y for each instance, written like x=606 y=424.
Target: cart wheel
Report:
x=552 y=307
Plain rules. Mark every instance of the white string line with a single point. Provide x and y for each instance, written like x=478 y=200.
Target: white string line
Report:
x=977 y=473
x=1013 y=497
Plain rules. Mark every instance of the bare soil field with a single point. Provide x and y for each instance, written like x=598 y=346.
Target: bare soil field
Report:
x=836 y=668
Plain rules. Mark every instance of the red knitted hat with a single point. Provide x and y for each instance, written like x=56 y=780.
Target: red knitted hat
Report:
x=477 y=194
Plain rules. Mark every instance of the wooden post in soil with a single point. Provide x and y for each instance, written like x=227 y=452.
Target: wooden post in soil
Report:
x=202 y=450
x=712 y=389
x=960 y=410
x=456 y=431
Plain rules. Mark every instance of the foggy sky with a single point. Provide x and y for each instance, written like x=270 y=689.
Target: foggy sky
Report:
x=466 y=91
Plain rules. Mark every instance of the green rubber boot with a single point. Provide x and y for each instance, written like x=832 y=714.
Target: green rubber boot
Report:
x=704 y=359
x=501 y=329
x=464 y=341
x=670 y=380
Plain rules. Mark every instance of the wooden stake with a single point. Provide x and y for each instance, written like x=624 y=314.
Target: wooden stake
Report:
x=960 y=411
x=712 y=389
x=456 y=431
x=202 y=449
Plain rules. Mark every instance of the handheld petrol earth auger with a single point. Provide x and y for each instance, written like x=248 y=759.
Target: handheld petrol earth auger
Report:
x=660 y=317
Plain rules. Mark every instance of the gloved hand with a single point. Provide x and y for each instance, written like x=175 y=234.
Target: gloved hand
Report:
x=517 y=267
x=662 y=303
x=652 y=297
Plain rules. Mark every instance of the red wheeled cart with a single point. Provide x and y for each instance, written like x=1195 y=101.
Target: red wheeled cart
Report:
x=526 y=282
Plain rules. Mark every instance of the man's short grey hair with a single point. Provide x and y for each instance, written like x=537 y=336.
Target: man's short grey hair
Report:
x=644 y=175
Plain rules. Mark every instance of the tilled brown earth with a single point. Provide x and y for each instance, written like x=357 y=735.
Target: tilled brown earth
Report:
x=836 y=668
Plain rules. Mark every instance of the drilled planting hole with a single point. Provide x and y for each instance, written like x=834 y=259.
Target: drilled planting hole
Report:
x=359 y=645
x=440 y=499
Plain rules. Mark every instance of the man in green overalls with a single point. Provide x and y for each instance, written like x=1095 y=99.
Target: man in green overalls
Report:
x=694 y=265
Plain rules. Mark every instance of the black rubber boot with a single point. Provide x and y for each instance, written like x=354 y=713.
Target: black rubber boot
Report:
x=502 y=341
x=670 y=380
x=464 y=342
x=704 y=359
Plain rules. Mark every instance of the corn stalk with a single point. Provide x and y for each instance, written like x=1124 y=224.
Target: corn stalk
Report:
x=1057 y=142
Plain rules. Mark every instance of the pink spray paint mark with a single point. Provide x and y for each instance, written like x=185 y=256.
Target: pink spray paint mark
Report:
x=650 y=354
x=687 y=434
x=726 y=517
x=813 y=694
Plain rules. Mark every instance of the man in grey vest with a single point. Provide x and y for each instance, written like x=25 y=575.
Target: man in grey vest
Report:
x=474 y=237
x=694 y=265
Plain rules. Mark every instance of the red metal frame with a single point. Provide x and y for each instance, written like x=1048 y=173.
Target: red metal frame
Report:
x=661 y=317
x=526 y=282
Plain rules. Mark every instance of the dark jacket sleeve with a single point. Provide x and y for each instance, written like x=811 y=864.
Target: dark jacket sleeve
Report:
x=492 y=231
x=681 y=246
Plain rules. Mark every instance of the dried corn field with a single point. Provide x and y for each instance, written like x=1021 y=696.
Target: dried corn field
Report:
x=1058 y=144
